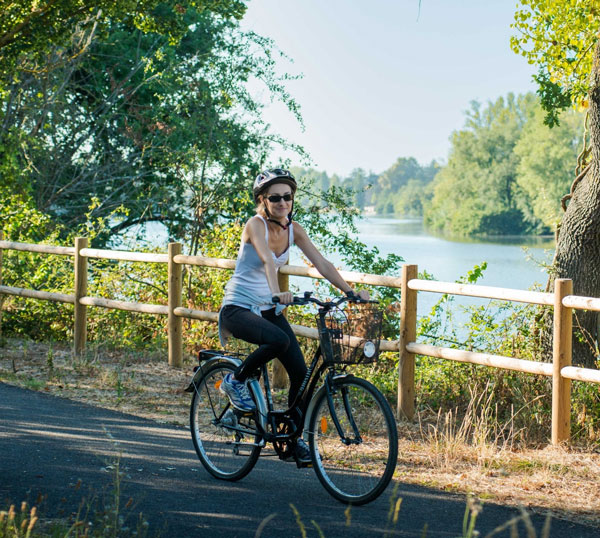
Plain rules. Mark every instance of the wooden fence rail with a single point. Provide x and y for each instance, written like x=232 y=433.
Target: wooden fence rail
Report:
x=561 y=370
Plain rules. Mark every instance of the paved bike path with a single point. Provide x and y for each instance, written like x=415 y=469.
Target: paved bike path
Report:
x=49 y=444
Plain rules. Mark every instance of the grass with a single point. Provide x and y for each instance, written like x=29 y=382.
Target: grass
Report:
x=18 y=524
x=469 y=453
x=109 y=522
x=473 y=508
x=98 y=516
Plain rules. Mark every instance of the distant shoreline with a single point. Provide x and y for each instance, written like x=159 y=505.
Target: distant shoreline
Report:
x=411 y=218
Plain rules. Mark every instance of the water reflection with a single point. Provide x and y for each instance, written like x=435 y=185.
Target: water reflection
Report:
x=515 y=262
x=512 y=262
x=414 y=227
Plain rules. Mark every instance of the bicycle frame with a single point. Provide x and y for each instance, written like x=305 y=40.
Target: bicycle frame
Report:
x=306 y=398
x=300 y=404
x=266 y=415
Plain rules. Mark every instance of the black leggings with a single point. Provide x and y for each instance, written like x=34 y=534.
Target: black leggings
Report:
x=275 y=339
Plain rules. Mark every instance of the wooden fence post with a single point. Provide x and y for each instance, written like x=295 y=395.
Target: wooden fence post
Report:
x=561 y=357
x=81 y=269
x=408 y=333
x=175 y=322
x=280 y=377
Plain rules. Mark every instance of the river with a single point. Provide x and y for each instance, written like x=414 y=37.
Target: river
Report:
x=512 y=262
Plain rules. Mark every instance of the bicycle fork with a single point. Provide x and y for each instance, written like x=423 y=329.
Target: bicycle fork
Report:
x=331 y=390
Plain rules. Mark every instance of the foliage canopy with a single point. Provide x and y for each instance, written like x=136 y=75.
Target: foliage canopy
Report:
x=558 y=37
x=506 y=171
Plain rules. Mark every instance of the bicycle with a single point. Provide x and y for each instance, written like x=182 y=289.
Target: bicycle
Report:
x=350 y=427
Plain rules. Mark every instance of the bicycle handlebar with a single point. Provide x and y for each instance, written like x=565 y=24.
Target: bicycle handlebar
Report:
x=306 y=298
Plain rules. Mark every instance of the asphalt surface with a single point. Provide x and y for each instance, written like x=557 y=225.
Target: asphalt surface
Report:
x=66 y=451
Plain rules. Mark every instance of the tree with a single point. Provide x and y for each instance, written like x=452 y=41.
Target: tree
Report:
x=390 y=183
x=477 y=192
x=162 y=129
x=120 y=113
x=412 y=198
x=561 y=38
x=545 y=169
x=360 y=183
x=32 y=27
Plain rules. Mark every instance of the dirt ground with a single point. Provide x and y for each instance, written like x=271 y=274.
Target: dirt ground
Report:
x=560 y=480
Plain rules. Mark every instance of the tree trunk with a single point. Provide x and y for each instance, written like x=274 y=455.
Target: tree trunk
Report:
x=578 y=244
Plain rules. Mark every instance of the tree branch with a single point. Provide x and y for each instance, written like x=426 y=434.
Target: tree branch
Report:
x=142 y=220
x=563 y=201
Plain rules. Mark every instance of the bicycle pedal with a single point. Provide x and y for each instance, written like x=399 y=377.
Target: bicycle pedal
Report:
x=299 y=464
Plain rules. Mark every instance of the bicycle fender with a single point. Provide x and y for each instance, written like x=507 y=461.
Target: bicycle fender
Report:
x=313 y=400
x=206 y=364
x=261 y=404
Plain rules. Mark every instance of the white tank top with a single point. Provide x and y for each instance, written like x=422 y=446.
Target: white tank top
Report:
x=248 y=286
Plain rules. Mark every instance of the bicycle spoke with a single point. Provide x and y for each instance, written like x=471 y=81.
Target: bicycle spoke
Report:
x=357 y=466
x=224 y=450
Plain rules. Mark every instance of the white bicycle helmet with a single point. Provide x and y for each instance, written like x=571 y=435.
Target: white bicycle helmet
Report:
x=269 y=177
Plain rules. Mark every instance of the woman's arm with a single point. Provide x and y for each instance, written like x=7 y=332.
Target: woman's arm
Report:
x=324 y=266
x=255 y=234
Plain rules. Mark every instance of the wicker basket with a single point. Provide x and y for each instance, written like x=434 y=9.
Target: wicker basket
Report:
x=351 y=335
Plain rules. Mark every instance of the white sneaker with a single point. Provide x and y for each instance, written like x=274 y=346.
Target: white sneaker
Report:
x=238 y=393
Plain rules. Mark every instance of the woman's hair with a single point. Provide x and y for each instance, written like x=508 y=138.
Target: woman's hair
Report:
x=260 y=206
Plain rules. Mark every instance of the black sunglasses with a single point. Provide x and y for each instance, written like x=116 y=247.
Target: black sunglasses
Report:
x=274 y=198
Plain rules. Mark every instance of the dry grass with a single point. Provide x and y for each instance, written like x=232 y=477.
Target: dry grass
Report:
x=468 y=455
x=140 y=384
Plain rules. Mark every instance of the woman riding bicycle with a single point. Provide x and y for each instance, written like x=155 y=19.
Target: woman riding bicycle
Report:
x=247 y=312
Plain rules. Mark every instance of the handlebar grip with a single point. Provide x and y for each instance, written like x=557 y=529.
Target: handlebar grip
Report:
x=356 y=299
x=275 y=299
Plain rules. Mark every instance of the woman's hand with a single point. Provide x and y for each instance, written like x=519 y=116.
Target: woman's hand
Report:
x=363 y=295
x=285 y=297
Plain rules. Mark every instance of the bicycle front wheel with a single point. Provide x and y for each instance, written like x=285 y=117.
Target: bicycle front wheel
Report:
x=353 y=440
x=225 y=440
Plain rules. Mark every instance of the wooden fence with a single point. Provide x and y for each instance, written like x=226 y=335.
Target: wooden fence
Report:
x=561 y=370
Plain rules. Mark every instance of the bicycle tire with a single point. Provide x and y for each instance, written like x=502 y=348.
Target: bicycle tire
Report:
x=225 y=453
x=355 y=473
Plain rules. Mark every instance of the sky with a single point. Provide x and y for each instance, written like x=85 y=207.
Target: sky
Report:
x=384 y=79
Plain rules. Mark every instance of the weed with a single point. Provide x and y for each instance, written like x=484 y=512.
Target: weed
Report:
x=119 y=386
x=478 y=428
x=50 y=362
x=15 y=524
x=473 y=508
x=34 y=384
x=394 y=510
x=263 y=524
x=524 y=517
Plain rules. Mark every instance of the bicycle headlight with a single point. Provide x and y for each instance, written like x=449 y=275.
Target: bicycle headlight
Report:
x=369 y=349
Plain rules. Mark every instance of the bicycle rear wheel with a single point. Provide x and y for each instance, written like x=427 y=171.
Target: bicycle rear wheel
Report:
x=356 y=465
x=225 y=440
